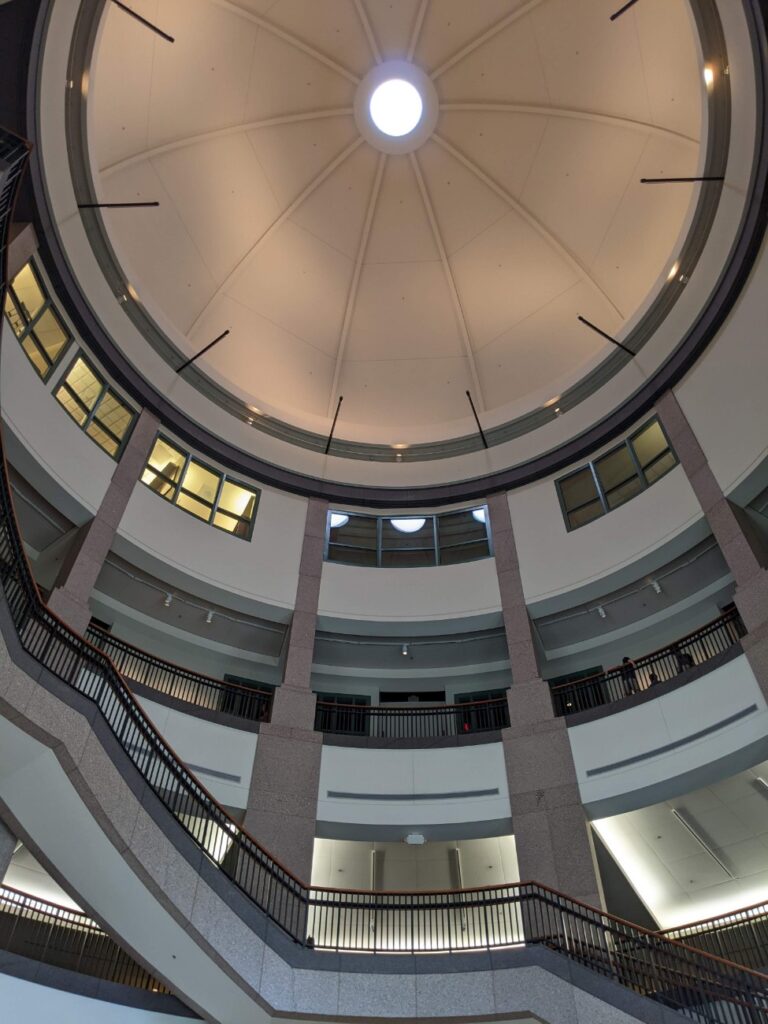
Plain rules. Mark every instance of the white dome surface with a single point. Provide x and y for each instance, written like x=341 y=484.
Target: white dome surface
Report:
x=398 y=280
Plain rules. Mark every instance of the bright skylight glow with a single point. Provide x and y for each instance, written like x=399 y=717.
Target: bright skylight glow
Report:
x=396 y=107
x=478 y=514
x=338 y=519
x=408 y=525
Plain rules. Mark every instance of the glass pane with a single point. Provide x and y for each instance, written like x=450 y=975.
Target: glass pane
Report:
x=102 y=438
x=578 y=489
x=585 y=514
x=411 y=558
x=464 y=553
x=73 y=407
x=358 y=532
x=615 y=468
x=164 y=469
x=201 y=481
x=84 y=383
x=51 y=335
x=15 y=318
x=240 y=501
x=225 y=522
x=36 y=357
x=197 y=508
x=28 y=292
x=113 y=416
x=459 y=528
x=649 y=443
x=351 y=556
x=663 y=465
x=623 y=492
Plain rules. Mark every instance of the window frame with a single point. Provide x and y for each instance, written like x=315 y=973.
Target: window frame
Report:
x=28 y=332
x=105 y=388
x=177 y=488
x=380 y=549
x=602 y=494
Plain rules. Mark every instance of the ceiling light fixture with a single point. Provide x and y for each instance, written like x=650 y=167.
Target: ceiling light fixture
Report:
x=404 y=650
x=656 y=586
x=408 y=525
x=601 y=611
x=396 y=107
x=709 y=76
x=168 y=599
x=209 y=617
x=338 y=519
x=673 y=271
x=480 y=515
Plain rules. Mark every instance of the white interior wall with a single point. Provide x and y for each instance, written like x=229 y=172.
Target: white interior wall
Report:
x=412 y=776
x=554 y=561
x=222 y=757
x=640 y=732
x=345 y=863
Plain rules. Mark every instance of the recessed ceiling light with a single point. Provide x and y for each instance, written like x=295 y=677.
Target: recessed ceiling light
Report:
x=396 y=107
x=408 y=525
x=709 y=76
x=338 y=519
x=673 y=270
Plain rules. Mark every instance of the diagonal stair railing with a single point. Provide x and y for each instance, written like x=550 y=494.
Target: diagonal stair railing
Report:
x=702 y=987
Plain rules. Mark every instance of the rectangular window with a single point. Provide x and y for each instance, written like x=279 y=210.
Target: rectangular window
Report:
x=653 y=452
x=616 y=476
x=35 y=322
x=200 y=490
x=580 y=498
x=95 y=407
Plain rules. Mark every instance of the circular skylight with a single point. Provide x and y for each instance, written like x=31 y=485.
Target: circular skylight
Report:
x=338 y=519
x=396 y=107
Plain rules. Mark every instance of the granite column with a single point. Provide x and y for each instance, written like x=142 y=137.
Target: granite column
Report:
x=282 y=802
x=80 y=569
x=552 y=836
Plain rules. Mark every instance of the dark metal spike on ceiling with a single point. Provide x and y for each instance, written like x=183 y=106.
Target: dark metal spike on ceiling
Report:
x=114 y=206
x=667 y=181
x=480 y=430
x=333 y=425
x=597 y=330
x=143 y=21
x=202 y=351
x=623 y=10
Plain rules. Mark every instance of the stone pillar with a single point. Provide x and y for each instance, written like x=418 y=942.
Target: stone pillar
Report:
x=80 y=569
x=742 y=547
x=282 y=802
x=7 y=848
x=552 y=835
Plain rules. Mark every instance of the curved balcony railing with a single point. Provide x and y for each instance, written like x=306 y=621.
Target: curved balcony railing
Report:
x=701 y=986
x=183 y=684
x=622 y=681
x=741 y=936
x=66 y=938
x=415 y=722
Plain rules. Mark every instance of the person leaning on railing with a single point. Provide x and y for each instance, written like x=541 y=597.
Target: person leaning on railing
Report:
x=629 y=676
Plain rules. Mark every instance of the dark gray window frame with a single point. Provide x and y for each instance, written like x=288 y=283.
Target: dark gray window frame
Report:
x=48 y=305
x=223 y=478
x=602 y=494
x=434 y=531
x=106 y=387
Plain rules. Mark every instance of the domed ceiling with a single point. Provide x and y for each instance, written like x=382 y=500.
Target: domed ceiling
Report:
x=397 y=274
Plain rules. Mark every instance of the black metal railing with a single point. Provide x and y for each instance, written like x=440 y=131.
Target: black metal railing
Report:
x=415 y=722
x=741 y=936
x=702 y=987
x=184 y=684
x=643 y=673
x=66 y=938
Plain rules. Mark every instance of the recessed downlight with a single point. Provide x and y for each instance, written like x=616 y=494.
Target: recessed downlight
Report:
x=396 y=107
